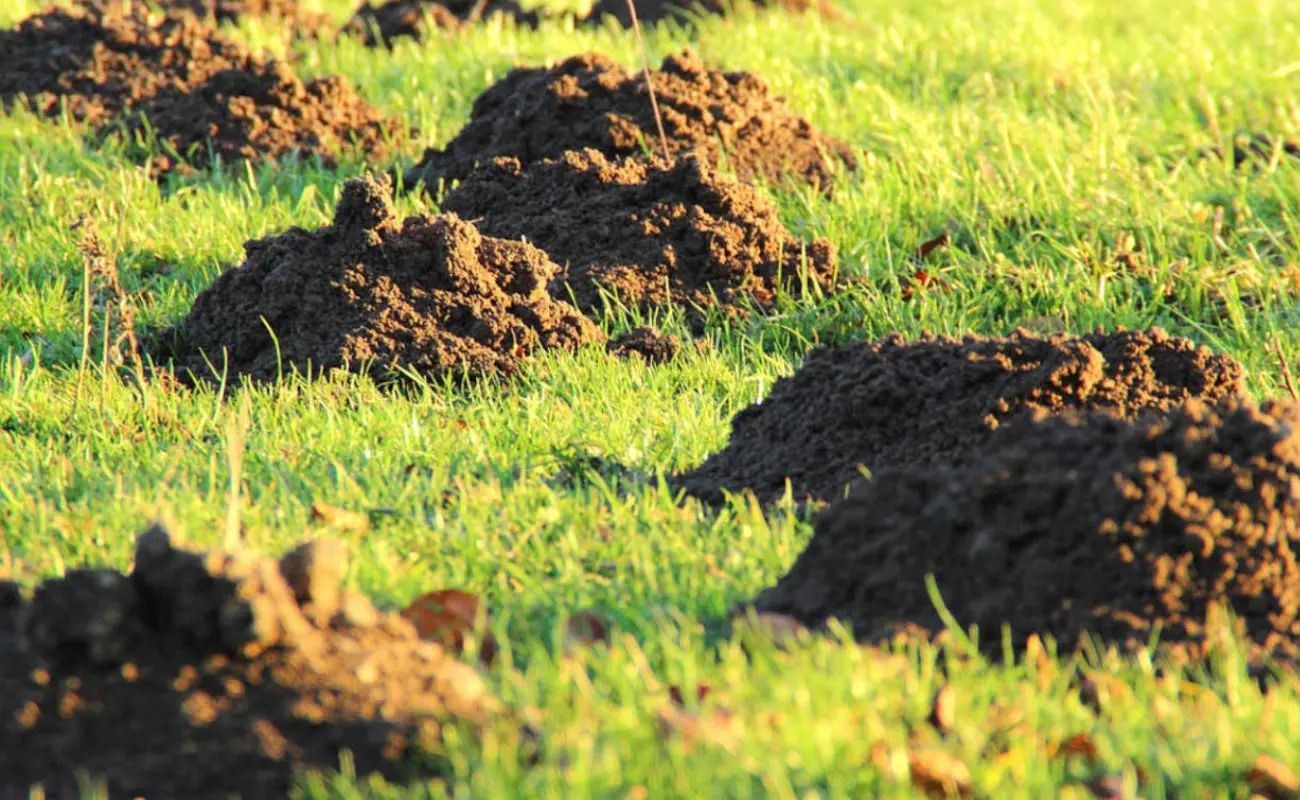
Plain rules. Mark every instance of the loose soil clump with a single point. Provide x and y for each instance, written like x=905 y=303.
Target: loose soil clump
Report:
x=198 y=93
x=589 y=101
x=648 y=12
x=302 y=23
x=1062 y=525
x=429 y=294
x=898 y=403
x=397 y=18
x=647 y=343
x=646 y=234
x=211 y=674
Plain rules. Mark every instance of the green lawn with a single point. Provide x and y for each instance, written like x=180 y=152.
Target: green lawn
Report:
x=1047 y=138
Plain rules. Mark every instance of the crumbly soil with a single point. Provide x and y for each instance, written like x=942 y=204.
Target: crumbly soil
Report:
x=649 y=12
x=1073 y=523
x=397 y=18
x=202 y=94
x=219 y=673
x=647 y=343
x=645 y=233
x=934 y=401
x=290 y=13
x=428 y=294
x=589 y=101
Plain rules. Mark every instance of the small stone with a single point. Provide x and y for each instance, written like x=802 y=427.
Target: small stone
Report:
x=314 y=571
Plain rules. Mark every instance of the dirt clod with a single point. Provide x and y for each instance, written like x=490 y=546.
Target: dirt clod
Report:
x=644 y=233
x=590 y=101
x=397 y=18
x=148 y=681
x=647 y=343
x=428 y=294
x=894 y=403
x=649 y=12
x=196 y=92
x=1072 y=523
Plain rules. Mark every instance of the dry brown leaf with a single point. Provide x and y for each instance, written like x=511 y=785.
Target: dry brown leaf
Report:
x=1080 y=745
x=1273 y=779
x=939 y=775
x=943 y=710
x=447 y=617
x=339 y=518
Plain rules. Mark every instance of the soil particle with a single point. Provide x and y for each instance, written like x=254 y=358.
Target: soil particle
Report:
x=895 y=403
x=197 y=92
x=649 y=12
x=428 y=294
x=398 y=18
x=1071 y=523
x=589 y=101
x=645 y=233
x=647 y=343
x=199 y=676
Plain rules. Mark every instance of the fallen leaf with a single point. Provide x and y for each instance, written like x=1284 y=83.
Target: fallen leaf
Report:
x=1273 y=779
x=943 y=710
x=920 y=280
x=938 y=774
x=446 y=617
x=1080 y=745
x=339 y=518
x=930 y=246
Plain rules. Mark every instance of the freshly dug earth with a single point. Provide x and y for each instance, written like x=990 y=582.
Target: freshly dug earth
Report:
x=647 y=343
x=200 y=93
x=301 y=22
x=646 y=233
x=208 y=674
x=934 y=401
x=649 y=12
x=1073 y=523
x=589 y=101
x=428 y=294
x=398 y=18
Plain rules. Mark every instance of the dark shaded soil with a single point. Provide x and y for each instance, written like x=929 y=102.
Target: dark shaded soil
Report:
x=645 y=233
x=1076 y=523
x=649 y=12
x=935 y=401
x=204 y=675
x=200 y=93
x=428 y=294
x=589 y=101
x=290 y=13
x=398 y=18
x=646 y=343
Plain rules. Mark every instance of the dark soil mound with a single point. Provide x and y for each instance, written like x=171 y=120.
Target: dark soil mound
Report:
x=646 y=343
x=896 y=403
x=199 y=93
x=1076 y=523
x=397 y=18
x=649 y=12
x=429 y=294
x=203 y=675
x=645 y=233
x=589 y=101
x=300 y=22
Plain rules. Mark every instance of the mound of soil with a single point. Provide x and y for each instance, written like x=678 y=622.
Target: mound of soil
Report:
x=649 y=12
x=210 y=674
x=199 y=93
x=300 y=22
x=1074 y=523
x=589 y=101
x=646 y=343
x=398 y=18
x=646 y=233
x=428 y=294
x=895 y=403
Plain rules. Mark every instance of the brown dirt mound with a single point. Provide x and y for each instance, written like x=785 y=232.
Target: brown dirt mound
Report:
x=895 y=403
x=1076 y=523
x=202 y=675
x=649 y=12
x=300 y=22
x=199 y=92
x=398 y=18
x=429 y=294
x=645 y=342
x=646 y=233
x=589 y=101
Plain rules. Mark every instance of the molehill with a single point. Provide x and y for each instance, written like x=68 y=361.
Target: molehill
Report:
x=1067 y=524
x=589 y=101
x=645 y=233
x=936 y=400
x=428 y=294
x=208 y=674
x=648 y=12
x=397 y=18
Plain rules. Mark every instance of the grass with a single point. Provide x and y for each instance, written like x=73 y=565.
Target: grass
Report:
x=1047 y=139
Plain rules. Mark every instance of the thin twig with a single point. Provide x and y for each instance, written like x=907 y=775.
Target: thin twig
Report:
x=645 y=67
x=1286 y=369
